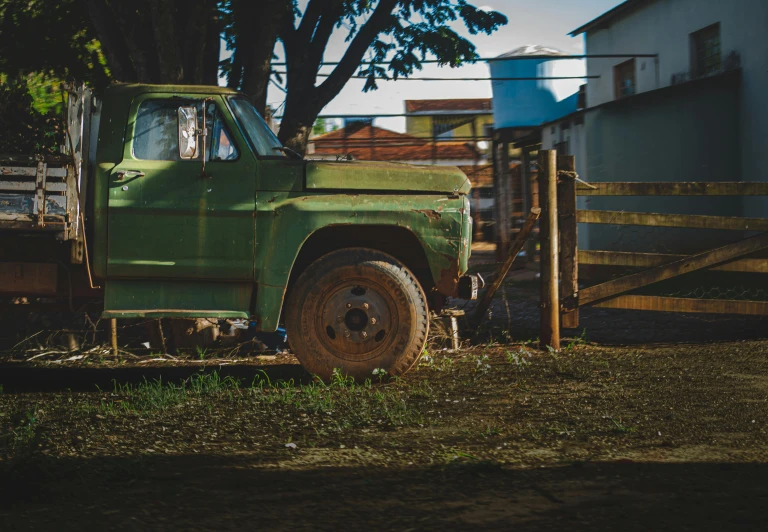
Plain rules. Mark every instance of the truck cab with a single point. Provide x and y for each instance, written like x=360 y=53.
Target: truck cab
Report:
x=195 y=211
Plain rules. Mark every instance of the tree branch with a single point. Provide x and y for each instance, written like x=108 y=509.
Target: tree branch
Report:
x=378 y=21
x=322 y=34
x=315 y=9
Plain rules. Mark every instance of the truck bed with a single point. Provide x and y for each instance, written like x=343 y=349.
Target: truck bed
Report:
x=47 y=193
x=38 y=195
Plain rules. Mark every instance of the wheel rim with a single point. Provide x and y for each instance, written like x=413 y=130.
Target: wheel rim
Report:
x=357 y=320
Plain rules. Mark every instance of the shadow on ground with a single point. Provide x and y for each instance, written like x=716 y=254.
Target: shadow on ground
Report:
x=205 y=492
x=20 y=378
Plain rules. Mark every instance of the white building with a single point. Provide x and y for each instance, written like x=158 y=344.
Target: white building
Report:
x=685 y=103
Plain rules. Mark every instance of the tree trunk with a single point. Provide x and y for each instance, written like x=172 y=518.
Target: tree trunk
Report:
x=255 y=48
x=118 y=57
x=210 y=55
x=165 y=30
x=296 y=126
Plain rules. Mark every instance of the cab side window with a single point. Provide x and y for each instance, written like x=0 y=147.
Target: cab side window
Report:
x=156 y=135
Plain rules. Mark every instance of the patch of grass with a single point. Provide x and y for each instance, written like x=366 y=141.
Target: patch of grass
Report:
x=156 y=395
x=342 y=403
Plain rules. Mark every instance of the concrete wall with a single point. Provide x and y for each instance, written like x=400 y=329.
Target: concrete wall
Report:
x=683 y=133
x=663 y=27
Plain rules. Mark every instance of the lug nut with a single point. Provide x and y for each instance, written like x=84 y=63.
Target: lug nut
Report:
x=365 y=306
x=349 y=305
x=373 y=321
x=346 y=334
x=364 y=334
x=339 y=318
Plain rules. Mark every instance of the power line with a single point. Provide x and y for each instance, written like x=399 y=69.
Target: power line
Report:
x=513 y=58
x=541 y=78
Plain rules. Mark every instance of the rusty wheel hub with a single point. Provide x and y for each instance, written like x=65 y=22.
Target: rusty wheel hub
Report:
x=357 y=321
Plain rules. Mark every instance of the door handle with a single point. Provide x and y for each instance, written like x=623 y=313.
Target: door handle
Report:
x=122 y=174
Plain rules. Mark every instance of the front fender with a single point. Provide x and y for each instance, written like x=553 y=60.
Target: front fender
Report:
x=284 y=222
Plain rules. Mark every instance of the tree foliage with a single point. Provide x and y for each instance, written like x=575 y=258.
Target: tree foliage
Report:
x=24 y=129
x=178 y=41
x=49 y=37
x=404 y=31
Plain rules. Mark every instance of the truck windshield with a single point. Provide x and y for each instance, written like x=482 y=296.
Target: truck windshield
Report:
x=262 y=139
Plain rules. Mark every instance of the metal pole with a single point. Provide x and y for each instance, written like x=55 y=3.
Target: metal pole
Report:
x=501 y=273
x=550 y=298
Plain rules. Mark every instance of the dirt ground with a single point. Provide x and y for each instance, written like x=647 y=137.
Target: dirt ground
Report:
x=641 y=437
x=643 y=421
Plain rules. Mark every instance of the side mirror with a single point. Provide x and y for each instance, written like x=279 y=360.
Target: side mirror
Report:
x=187 y=132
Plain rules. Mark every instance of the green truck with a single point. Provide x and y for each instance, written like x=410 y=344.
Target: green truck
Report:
x=179 y=203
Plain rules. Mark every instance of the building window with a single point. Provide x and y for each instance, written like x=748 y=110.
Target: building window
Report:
x=624 y=79
x=705 y=51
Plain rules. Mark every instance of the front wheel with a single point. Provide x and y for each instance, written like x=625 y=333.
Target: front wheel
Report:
x=357 y=310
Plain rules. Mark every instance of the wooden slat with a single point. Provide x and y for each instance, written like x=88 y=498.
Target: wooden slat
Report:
x=648 y=260
x=30 y=186
x=673 y=269
x=30 y=171
x=676 y=304
x=673 y=220
x=673 y=189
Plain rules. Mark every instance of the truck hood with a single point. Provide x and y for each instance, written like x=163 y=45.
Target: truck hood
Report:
x=377 y=176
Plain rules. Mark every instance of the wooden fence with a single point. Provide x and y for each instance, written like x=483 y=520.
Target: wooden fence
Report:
x=561 y=296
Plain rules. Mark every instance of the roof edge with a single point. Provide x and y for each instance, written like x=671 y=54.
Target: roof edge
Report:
x=619 y=10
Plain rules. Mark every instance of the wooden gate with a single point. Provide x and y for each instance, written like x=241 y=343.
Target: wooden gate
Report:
x=560 y=256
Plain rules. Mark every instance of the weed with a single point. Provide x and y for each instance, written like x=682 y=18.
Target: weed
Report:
x=482 y=364
x=201 y=352
x=579 y=340
x=490 y=431
x=620 y=426
x=441 y=362
x=24 y=437
x=520 y=358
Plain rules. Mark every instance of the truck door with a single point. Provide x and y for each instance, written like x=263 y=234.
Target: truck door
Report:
x=168 y=220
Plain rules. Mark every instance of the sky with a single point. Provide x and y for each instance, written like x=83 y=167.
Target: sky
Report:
x=543 y=22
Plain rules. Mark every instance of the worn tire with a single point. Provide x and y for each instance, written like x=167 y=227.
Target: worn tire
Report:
x=329 y=325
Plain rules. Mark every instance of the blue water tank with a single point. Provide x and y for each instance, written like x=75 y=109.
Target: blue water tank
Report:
x=526 y=104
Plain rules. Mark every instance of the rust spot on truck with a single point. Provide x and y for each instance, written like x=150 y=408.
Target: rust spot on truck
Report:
x=448 y=284
x=430 y=213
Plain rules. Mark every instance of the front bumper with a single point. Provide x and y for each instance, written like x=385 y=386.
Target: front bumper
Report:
x=470 y=285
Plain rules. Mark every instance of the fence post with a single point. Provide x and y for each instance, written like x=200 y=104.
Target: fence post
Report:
x=502 y=201
x=113 y=336
x=549 y=238
x=569 y=258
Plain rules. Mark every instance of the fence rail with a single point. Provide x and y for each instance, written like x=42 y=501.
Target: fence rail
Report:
x=559 y=248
